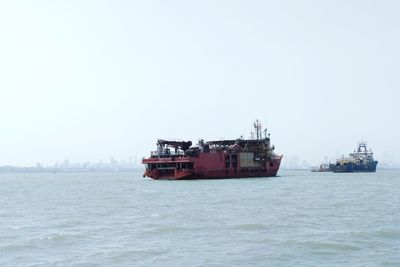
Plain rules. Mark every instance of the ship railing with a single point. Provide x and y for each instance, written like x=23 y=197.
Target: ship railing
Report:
x=163 y=154
x=166 y=168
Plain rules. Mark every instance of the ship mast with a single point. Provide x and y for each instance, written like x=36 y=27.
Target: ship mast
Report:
x=258 y=128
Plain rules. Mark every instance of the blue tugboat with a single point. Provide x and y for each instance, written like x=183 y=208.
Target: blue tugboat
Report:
x=361 y=160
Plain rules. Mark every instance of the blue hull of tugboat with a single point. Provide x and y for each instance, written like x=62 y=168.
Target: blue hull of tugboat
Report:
x=352 y=167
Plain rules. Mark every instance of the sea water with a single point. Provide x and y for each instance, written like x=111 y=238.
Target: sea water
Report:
x=120 y=219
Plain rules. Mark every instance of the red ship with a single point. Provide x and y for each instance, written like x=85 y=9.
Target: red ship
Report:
x=239 y=158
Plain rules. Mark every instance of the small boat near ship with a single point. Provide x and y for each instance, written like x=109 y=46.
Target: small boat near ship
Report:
x=235 y=158
x=324 y=167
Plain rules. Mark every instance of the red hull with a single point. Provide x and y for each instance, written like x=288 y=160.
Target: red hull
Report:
x=213 y=165
x=155 y=176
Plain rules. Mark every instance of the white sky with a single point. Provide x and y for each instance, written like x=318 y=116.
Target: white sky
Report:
x=86 y=80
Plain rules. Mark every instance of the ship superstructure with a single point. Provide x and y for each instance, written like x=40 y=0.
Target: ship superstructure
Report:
x=253 y=157
x=361 y=160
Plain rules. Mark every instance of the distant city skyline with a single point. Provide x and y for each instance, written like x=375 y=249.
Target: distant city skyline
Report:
x=112 y=164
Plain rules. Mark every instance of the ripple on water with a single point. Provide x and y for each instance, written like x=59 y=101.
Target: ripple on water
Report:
x=328 y=247
x=249 y=227
x=168 y=229
x=377 y=234
x=387 y=233
x=49 y=240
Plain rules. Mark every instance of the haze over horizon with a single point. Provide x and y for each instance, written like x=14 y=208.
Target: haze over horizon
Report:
x=87 y=80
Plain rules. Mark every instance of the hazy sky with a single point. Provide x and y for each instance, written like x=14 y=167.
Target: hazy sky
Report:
x=86 y=80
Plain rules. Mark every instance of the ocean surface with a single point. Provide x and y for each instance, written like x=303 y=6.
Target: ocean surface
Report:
x=121 y=219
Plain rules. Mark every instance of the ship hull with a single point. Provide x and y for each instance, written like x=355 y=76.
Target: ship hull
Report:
x=208 y=166
x=157 y=176
x=222 y=175
x=351 y=167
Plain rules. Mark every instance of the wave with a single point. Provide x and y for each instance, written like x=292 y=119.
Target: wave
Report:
x=250 y=226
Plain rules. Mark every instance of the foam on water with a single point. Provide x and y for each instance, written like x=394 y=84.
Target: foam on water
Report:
x=120 y=219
